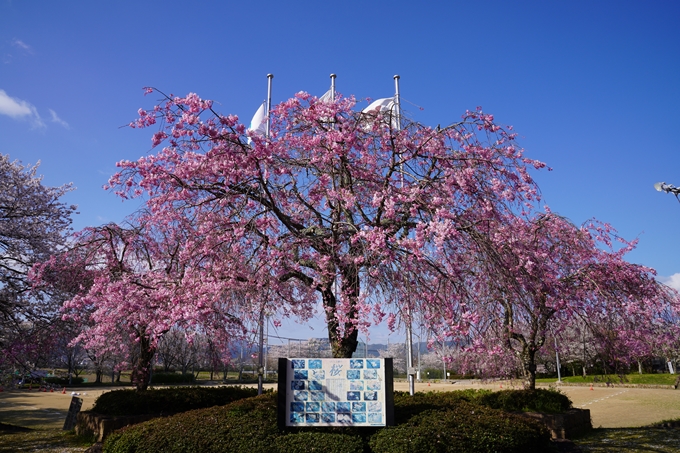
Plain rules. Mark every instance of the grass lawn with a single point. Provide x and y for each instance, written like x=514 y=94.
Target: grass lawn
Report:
x=602 y=440
x=630 y=440
x=645 y=379
x=42 y=440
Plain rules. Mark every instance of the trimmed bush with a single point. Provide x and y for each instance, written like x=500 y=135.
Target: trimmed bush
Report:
x=463 y=428
x=167 y=401
x=406 y=406
x=315 y=441
x=247 y=425
x=446 y=422
x=173 y=378
x=63 y=381
x=539 y=400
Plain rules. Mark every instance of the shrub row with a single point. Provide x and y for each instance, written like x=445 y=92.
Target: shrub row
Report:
x=173 y=378
x=539 y=400
x=449 y=422
x=63 y=381
x=168 y=400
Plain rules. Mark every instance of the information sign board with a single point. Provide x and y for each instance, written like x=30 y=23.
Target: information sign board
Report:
x=335 y=392
x=71 y=417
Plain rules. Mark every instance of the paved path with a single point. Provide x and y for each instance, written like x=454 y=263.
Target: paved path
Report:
x=610 y=407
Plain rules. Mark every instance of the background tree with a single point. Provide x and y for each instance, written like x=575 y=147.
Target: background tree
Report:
x=33 y=225
x=140 y=283
x=550 y=275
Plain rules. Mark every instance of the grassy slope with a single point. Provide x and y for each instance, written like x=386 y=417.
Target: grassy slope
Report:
x=643 y=379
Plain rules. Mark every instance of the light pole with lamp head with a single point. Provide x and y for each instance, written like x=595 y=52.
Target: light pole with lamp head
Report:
x=668 y=188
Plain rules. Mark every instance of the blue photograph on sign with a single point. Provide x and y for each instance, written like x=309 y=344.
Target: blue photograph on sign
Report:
x=371 y=396
x=370 y=374
x=374 y=417
x=358 y=417
x=318 y=396
x=297 y=417
x=358 y=407
x=297 y=385
x=297 y=407
x=353 y=374
x=315 y=385
x=375 y=406
x=327 y=418
x=300 y=395
x=314 y=364
x=327 y=407
x=312 y=418
x=373 y=385
x=356 y=364
x=313 y=407
x=300 y=374
x=353 y=396
x=318 y=375
x=344 y=418
x=343 y=408
x=297 y=363
x=356 y=385
x=373 y=363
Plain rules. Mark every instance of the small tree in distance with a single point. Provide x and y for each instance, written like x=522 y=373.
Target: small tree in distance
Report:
x=34 y=223
x=552 y=278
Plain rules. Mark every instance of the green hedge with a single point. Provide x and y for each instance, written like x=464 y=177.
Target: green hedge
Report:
x=539 y=400
x=463 y=428
x=173 y=378
x=427 y=422
x=167 y=401
x=316 y=441
x=247 y=425
x=63 y=381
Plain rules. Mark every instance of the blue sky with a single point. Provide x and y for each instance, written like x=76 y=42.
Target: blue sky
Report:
x=592 y=88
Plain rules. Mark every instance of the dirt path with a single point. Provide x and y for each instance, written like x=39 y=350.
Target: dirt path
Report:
x=35 y=409
x=609 y=407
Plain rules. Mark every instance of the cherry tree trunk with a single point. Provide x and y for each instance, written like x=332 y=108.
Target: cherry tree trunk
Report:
x=141 y=371
x=529 y=364
x=343 y=339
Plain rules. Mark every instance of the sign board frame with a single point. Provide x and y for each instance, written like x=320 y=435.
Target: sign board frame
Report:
x=72 y=416
x=315 y=392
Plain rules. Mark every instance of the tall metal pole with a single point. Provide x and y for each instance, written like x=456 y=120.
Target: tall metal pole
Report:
x=266 y=345
x=557 y=358
x=397 y=102
x=333 y=87
x=260 y=369
x=409 y=334
x=418 y=376
x=269 y=101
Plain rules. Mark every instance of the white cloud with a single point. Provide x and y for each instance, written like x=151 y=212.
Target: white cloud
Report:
x=56 y=119
x=673 y=281
x=22 y=45
x=14 y=107
x=19 y=109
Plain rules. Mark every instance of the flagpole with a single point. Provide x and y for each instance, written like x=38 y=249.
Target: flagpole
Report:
x=410 y=371
x=262 y=366
x=397 y=101
x=333 y=87
x=269 y=101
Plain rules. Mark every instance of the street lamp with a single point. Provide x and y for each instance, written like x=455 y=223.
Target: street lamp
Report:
x=668 y=188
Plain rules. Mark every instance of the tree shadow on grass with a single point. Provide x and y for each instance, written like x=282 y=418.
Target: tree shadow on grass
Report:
x=631 y=440
x=44 y=441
